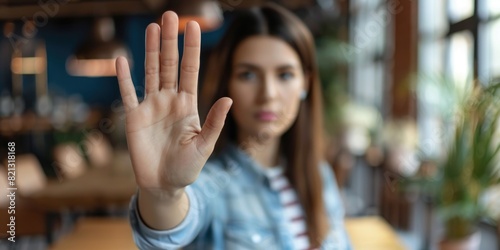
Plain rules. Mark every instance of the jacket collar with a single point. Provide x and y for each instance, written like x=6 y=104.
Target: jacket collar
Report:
x=238 y=161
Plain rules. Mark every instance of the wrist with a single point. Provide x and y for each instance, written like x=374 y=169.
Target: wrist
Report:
x=162 y=195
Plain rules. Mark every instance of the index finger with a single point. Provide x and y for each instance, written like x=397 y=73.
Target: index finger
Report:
x=127 y=90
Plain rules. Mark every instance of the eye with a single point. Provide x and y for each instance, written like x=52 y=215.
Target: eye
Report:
x=285 y=76
x=246 y=75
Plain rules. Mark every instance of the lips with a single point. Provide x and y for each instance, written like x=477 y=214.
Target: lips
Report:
x=266 y=116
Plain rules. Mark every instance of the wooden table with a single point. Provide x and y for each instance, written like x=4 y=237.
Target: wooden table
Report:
x=97 y=188
x=372 y=233
x=98 y=233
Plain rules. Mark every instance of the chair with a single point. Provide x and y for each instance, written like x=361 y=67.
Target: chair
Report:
x=69 y=161
x=29 y=174
x=29 y=179
x=98 y=149
x=4 y=184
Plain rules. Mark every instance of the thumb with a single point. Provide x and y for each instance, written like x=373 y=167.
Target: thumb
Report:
x=213 y=125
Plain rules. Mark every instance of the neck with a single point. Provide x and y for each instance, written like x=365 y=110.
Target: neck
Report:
x=265 y=152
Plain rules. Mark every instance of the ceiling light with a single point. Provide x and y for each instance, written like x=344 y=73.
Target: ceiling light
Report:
x=96 y=57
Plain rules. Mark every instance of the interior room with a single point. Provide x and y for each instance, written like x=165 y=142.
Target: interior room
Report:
x=406 y=109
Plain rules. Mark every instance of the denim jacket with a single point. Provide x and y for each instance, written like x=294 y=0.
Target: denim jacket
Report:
x=232 y=206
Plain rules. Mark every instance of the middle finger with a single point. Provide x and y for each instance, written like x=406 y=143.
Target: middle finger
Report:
x=169 y=58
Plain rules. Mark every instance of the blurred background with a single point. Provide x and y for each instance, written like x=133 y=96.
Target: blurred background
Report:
x=394 y=75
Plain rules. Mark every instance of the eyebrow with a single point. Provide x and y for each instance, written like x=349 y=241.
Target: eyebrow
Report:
x=255 y=67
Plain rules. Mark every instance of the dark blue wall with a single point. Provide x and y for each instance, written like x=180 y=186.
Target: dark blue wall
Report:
x=63 y=36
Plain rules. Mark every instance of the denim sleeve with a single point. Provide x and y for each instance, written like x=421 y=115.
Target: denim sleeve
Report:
x=148 y=238
x=338 y=237
x=203 y=195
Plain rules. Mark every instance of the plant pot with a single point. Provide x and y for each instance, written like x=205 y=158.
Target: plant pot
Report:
x=471 y=242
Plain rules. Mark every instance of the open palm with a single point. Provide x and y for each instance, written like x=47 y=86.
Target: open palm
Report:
x=167 y=145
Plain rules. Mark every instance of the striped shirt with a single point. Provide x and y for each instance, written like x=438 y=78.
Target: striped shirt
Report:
x=292 y=209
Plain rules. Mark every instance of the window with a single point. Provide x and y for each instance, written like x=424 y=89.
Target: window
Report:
x=460 y=10
x=459 y=61
x=368 y=35
x=458 y=39
x=492 y=8
x=489 y=51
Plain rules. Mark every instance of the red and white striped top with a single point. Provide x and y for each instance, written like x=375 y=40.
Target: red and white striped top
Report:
x=292 y=209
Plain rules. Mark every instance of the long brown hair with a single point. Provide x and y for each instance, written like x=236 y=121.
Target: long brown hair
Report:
x=302 y=144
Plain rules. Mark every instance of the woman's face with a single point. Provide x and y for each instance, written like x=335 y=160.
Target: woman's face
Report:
x=265 y=85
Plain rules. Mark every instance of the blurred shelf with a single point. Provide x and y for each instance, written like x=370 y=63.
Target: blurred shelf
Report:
x=71 y=8
x=23 y=124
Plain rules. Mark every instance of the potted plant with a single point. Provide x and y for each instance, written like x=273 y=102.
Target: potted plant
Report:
x=470 y=166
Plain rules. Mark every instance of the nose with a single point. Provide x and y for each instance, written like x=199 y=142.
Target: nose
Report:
x=269 y=88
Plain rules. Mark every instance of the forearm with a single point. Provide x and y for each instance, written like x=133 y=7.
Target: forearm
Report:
x=162 y=210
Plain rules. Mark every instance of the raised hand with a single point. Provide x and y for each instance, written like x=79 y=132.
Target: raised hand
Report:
x=167 y=146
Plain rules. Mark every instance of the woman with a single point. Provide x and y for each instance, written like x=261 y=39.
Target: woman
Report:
x=265 y=186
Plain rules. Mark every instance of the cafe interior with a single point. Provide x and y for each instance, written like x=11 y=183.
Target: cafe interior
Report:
x=410 y=107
